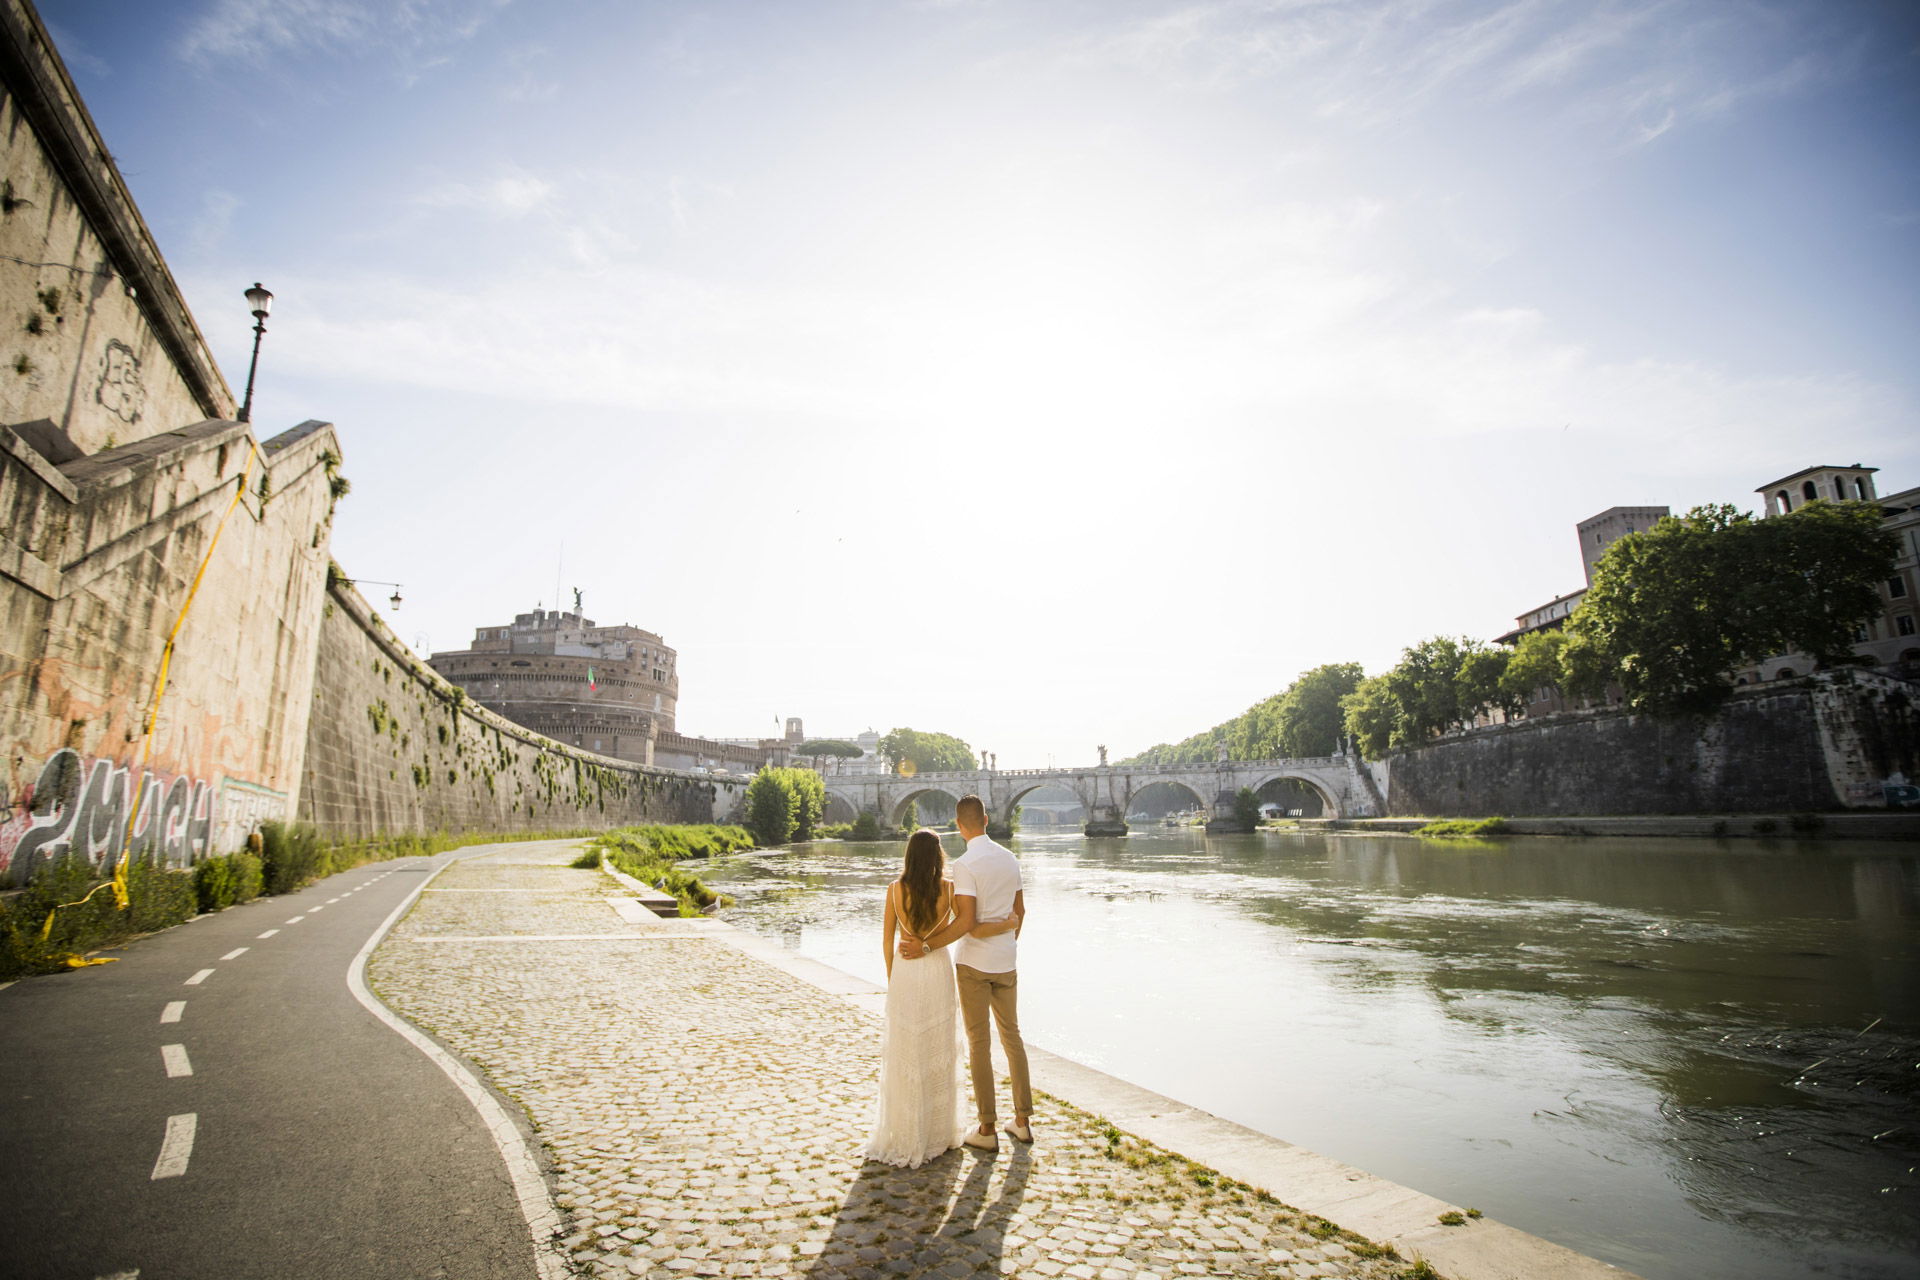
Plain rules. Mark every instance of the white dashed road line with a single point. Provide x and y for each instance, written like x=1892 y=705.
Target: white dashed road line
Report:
x=176 y=1148
x=269 y=933
x=198 y=978
x=311 y=910
x=173 y=1011
x=175 y=1056
x=296 y=920
x=234 y=954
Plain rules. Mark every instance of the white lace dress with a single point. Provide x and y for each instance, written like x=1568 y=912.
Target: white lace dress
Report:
x=919 y=1113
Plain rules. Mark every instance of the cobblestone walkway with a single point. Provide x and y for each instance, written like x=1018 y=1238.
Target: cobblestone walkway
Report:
x=705 y=1113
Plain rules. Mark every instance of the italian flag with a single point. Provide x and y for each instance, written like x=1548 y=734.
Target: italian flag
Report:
x=591 y=683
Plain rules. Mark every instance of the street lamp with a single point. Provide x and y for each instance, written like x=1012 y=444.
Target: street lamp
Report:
x=393 y=600
x=259 y=301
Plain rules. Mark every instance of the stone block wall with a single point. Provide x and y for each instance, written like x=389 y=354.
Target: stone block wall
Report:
x=102 y=554
x=392 y=748
x=94 y=337
x=1835 y=740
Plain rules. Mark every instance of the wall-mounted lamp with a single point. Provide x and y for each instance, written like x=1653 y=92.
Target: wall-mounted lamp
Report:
x=393 y=600
x=259 y=301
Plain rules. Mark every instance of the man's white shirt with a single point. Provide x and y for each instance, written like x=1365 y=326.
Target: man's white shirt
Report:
x=989 y=874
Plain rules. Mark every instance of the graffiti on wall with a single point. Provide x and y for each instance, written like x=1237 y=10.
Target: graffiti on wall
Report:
x=83 y=808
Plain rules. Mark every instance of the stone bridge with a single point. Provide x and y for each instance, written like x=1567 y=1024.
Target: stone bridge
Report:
x=1345 y=788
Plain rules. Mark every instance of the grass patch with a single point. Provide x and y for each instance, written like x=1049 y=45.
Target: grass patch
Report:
x=653 y=854
x=1454 y=827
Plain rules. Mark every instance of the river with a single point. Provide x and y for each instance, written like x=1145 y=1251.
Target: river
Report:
x=1696 y=1059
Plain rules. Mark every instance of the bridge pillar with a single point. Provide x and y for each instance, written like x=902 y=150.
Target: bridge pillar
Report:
x=1106 y=820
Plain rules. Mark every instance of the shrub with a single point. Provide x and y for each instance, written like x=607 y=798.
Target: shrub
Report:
x=291 y=855
x=219 y=883
x=158 y=897
x=865 y=827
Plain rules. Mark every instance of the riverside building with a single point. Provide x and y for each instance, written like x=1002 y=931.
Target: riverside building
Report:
x=609 y=690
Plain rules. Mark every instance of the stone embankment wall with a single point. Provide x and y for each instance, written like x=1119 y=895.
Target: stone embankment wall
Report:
x=394 y=748
x=1841 y=739
x=102 y=557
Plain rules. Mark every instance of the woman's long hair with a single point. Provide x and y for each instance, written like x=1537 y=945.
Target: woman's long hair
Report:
x=920 y=882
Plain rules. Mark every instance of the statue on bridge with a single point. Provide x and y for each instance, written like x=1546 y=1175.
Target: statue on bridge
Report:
x=1103 y=755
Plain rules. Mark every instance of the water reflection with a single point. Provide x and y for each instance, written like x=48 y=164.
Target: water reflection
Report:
x=1692 y=1058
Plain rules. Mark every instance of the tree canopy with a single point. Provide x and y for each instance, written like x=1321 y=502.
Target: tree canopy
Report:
x=930 y=752
x=784 y=805
x=1675 y=610
x=820 y=748
x=1302 y=720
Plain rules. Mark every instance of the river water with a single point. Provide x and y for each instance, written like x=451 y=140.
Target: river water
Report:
x=1696 y=1059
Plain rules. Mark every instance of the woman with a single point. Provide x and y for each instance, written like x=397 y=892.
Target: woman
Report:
x=919 y=1113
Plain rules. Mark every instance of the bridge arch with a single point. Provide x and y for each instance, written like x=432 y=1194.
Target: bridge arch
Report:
x=913 y=795
x=839 y=807
x=1075 y=785
x=1329 y=806
x=1200 y=802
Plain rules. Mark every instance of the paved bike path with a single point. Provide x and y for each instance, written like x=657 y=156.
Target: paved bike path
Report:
x=322 y=1144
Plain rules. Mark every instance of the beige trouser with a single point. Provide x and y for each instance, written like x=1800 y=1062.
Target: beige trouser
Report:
x=998 y=993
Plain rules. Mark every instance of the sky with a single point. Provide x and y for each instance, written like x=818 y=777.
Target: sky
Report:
x=1048 y=374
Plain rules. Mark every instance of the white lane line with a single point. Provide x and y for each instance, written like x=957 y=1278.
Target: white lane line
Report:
x=530 y=1188
x=5 y=985
x=175 y=1056
x=296 y=920
x=269 y=933
x=331 y=901
x=198 y=978
x=177 y=1147
x=173 y=1011
x=311 y=910
x=234 y=954
x=122 y=1275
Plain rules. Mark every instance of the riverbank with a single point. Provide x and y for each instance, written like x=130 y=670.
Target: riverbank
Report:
x=703 y=1096
x=1724 y=826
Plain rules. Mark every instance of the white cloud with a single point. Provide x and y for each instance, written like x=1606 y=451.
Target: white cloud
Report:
x=512 y=195
x=255 y=30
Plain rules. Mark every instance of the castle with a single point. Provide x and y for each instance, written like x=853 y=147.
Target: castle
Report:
x=609 y=690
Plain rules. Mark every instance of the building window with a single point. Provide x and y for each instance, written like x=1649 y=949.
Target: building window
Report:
x=1896 y=586
x=1786 y=501
x=1860 y=488
x=1809 y=491
x=1839 y=489
x=1904 y=624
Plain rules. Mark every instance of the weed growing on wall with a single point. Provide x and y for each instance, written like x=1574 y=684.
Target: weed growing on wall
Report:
x=221 y=882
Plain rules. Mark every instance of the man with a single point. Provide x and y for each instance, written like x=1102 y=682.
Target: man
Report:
x=986 y=891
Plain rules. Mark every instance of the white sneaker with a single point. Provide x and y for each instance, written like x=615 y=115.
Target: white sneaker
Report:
x=1021 y=1132
x=981 y=1141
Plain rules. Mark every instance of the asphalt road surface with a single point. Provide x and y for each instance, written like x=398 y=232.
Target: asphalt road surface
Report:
x=217 y=1106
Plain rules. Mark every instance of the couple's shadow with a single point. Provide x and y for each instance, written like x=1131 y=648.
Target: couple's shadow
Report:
x=912 y=1222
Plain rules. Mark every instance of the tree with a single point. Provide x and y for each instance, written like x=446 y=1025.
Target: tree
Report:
x=784 y=805
x=828 y=748
x=865 y=826
x=1308 y=720
x=1674 y=610
x=910 y=817
x=930 y=752
x=1373 y=718
x=770 y=809
x=1303 y=720
x=1535 y=664
x=1477 y=681
x=1246 y=808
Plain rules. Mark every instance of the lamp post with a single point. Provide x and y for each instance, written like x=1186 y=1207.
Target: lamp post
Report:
x=259 y=301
